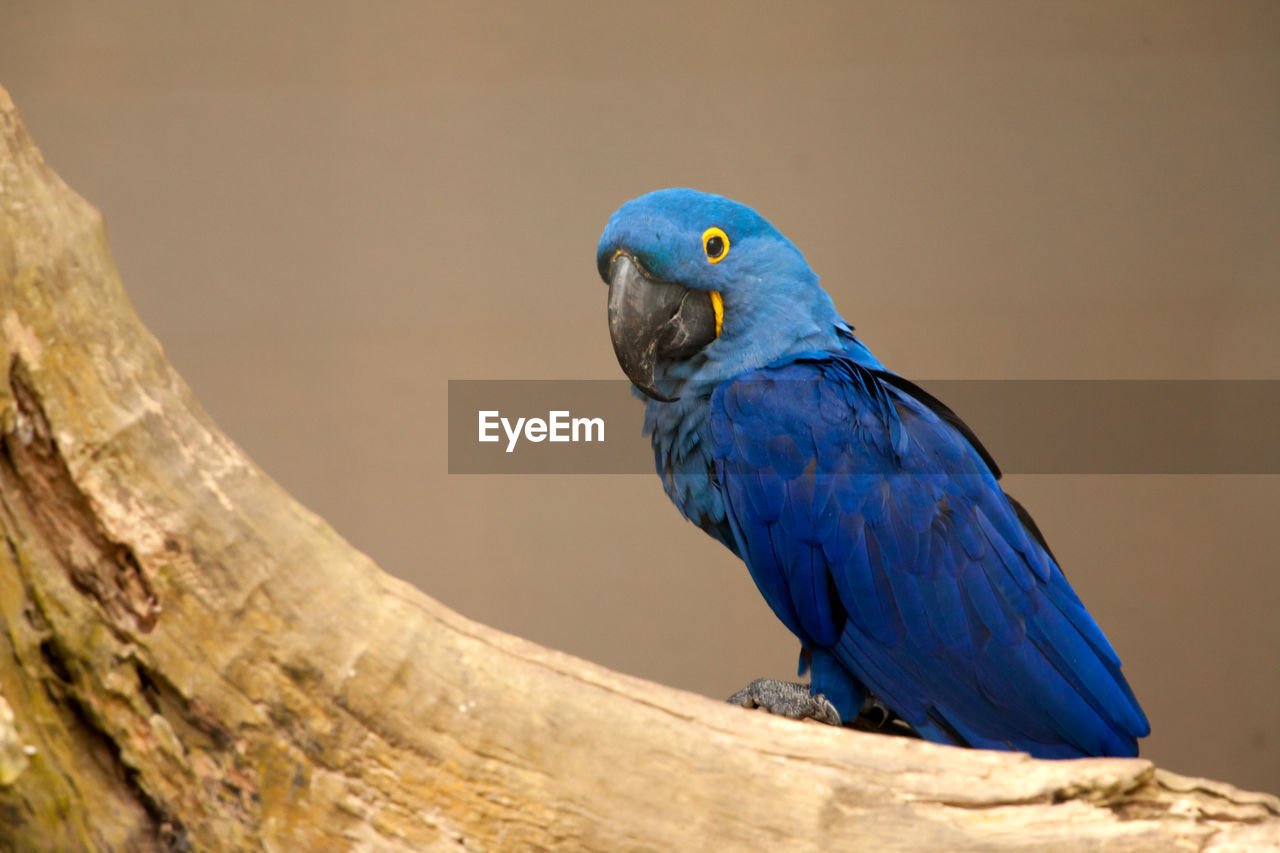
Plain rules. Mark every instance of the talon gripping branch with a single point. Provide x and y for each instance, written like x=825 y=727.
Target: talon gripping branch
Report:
x=869 y=515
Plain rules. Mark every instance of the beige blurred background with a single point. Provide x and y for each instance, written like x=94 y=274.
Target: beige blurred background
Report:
x=327 y=210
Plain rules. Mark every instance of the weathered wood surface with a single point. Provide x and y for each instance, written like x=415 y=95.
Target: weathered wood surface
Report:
x=193 y=661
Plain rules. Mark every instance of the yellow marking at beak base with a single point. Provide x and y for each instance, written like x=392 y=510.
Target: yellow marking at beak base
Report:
x=717 y=305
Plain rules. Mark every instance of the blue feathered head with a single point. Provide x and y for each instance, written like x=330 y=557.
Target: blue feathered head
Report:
x=702 y=288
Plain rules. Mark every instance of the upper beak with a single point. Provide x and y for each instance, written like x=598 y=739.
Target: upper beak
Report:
x=651 y=320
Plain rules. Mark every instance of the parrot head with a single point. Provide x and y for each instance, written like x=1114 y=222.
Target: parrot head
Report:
x=702 y=288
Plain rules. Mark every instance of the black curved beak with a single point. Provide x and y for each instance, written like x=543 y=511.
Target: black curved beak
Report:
x=653 y=320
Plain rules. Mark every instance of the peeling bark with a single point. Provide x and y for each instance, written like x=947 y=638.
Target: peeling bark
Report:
x=195 y=662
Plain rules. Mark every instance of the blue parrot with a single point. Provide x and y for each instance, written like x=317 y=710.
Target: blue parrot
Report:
x=868 y=514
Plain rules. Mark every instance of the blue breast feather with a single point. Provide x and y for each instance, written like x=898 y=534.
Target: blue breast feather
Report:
x=877 y=532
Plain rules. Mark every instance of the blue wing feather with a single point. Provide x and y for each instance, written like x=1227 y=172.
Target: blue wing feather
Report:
x=876 y=530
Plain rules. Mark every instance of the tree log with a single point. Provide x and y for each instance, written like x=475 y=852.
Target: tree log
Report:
x=190 y=660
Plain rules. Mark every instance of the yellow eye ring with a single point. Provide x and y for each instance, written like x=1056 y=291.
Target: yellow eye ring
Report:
x=716 y=244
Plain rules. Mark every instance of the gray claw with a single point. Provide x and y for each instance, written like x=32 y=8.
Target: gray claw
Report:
x=875 y=712
x=787 y=699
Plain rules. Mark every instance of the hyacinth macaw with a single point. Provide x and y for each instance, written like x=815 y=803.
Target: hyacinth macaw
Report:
x=869 y=515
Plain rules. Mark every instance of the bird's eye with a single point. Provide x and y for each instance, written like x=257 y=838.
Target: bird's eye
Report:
x=716 y=244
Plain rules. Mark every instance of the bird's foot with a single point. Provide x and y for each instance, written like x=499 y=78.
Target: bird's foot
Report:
x=875 y=716
x=787 y=699
x=875 y=713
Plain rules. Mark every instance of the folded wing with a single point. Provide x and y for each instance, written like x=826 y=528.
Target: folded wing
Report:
x=878 y=533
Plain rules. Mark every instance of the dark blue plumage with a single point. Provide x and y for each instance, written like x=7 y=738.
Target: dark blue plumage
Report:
x=869 y=517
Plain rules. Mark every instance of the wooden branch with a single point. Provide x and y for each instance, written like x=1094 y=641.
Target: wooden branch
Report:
x=195 y=662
